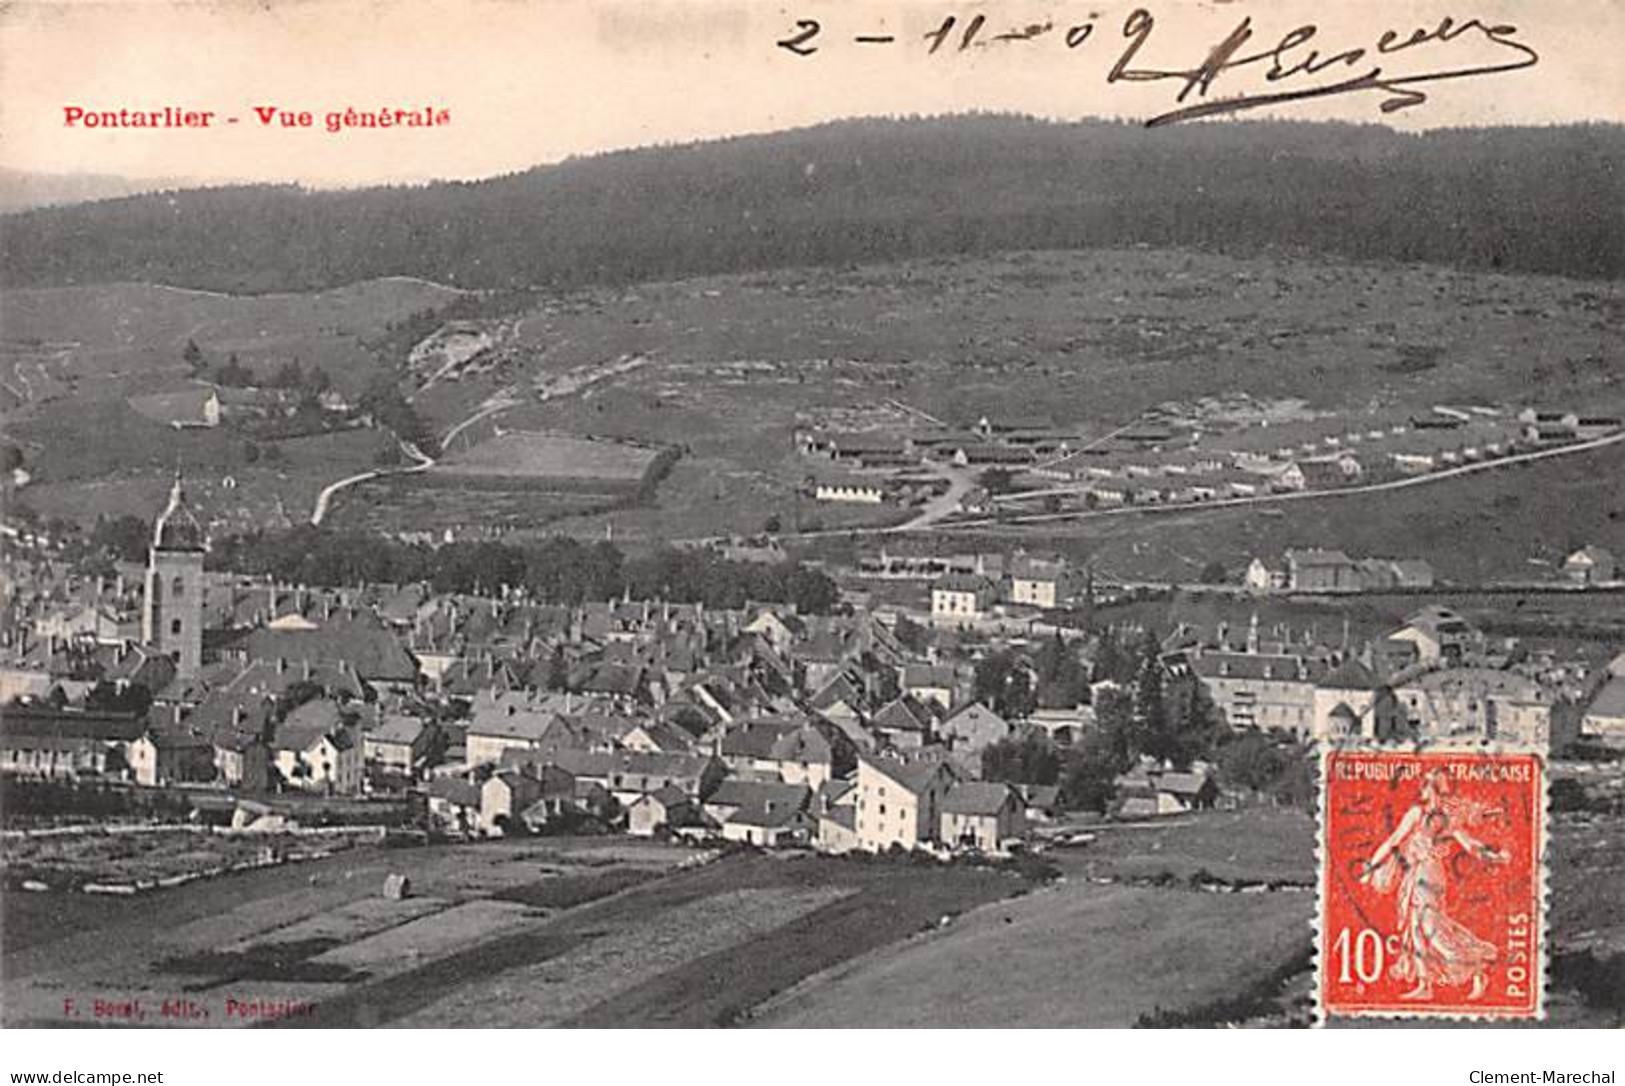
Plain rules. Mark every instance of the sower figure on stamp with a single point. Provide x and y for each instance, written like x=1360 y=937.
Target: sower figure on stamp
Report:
x=1436 y=949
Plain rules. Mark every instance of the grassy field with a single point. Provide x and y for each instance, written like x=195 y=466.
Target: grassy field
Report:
x=729 y=367
x=72 y=357
x=611 y=932
x=1077 y=955
x=528 y=455
x=1089 y=340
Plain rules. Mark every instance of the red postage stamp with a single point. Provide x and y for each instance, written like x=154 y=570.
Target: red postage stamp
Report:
x=1432 y=878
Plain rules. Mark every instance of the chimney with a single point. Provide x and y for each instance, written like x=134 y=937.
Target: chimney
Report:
x=281 y=665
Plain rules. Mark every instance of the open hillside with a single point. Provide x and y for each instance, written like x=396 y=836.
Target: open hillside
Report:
x=864 y=191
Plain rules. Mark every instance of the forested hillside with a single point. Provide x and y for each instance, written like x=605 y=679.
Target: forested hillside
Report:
x=1537 y=200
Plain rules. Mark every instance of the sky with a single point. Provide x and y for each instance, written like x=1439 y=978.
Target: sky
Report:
x=535 y=81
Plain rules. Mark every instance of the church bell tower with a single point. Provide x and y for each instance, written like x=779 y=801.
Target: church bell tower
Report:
x=172 y=619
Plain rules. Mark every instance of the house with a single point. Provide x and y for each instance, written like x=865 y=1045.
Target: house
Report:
x=1590 y=565
x=981 y=815
x=315 y=749
x=936 y=683
x=515 y=722
x=771 y=817
x=1261 y=577
x=655 y=737
x=562 y=796
x=1604 y=718
x=961 y=598
x=1439 y=634
x=1039 y=582
x=792 y=752
x=1351 y=701
x=504 y=796
x=453 y=804
x=627 y=775
x=398 y=744
x=1326 y=472
x=352 y=642
x=241 y=760
x=184 y=409
x=1317 y=570
x=973 y=727
x=1477 y=703
x=42 y=741
x=1259 y=690
x=664 y=808
x=1043 y=802
x=171 y=756
x=780 y=631
x=837 y=830
x=904 y=722
x=899 y=803
x=1150 y=790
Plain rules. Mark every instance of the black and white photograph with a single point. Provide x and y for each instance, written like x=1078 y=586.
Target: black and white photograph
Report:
x=845 y=514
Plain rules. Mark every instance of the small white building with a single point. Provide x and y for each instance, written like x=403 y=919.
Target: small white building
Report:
x=855 y=493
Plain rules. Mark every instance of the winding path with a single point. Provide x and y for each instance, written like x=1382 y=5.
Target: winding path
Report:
x=324 y=500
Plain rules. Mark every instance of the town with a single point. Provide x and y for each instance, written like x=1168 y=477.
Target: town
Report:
x=970 y=719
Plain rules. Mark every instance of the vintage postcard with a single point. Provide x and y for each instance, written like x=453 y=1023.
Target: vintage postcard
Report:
x=812 y=514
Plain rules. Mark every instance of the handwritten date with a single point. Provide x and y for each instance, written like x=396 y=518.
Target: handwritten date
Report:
x=1297 y=66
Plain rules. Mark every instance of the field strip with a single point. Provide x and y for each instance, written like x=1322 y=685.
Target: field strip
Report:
x=433 y=936
x=347 y=923
x=554 y=990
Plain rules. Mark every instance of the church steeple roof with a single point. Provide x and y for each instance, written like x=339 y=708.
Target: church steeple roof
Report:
x=177 y=527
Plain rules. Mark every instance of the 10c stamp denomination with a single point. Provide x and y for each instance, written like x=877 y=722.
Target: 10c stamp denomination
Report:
x=1431 y=883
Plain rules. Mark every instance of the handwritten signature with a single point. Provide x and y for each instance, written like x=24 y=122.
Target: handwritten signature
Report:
x=1292 y=62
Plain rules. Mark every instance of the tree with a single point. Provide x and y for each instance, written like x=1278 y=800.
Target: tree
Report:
x=1149 y=732
x=1112 y=662
x=811 y=591
x=1089 y=775
x=1002 y=681
x=389 y=408
x=11 y=458
x=234 y=374
x=192 y=355
x=1250 y=760
x=1028 y=760
x=1213 y=573
x=289 y=375
x=251 y=452
x=1062 y=680
x=124 y=537
x=911 y=635
x=1114 y=721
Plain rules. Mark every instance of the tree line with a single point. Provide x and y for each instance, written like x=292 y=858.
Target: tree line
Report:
x=558 y=570
x=1510 y=199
